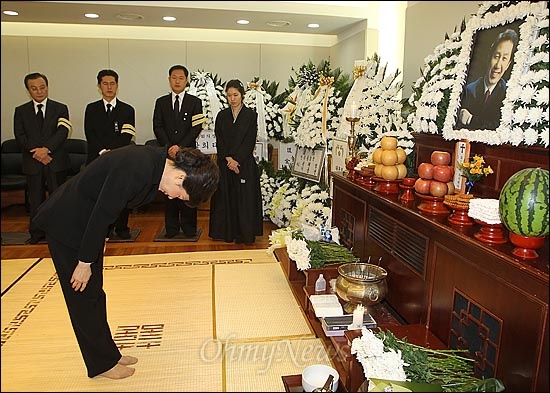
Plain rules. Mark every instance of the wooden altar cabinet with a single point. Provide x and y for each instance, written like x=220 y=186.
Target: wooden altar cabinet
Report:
x=470 y=294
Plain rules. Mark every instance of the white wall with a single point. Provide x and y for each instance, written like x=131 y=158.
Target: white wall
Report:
x=426 y=24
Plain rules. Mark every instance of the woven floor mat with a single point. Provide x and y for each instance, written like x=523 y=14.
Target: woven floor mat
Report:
x=14 y=269
x=266 y=306
x=168 y=310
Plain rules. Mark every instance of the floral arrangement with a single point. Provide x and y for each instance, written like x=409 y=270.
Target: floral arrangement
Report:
x=284 y=201
x=384 y=356
x=379 y=108
x=320 y=121
x=309 y=253
x=525 y=116
x=314 y=107
x=291 y=201
x=211 y=91
x=313 y=207
x=270 y=119
x=474 y=170
x=300 y=94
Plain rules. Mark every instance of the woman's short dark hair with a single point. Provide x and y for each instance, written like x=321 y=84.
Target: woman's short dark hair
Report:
x=202 y=175
x=236 y=84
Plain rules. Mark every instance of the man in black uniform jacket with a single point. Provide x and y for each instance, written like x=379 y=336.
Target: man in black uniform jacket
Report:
x=108 y=124
x=41 y=127
x=177 y=122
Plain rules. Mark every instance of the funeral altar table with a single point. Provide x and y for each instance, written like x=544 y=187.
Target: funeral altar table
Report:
x=469 y=293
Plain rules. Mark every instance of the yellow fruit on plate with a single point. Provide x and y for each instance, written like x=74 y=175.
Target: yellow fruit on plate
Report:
x=401 y=155
x=377 y=156
x=378 y=170
x=388 y=143
x=389 y=172
x=401 y=171
x=389 y=157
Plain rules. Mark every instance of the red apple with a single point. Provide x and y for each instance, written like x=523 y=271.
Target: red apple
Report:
x=422 y=186
x=438 y=189
x=443 y=173
x=426 y=170
x=440 y=157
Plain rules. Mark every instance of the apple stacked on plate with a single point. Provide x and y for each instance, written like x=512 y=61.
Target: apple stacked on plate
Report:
x=389 y=160
x=436 y=176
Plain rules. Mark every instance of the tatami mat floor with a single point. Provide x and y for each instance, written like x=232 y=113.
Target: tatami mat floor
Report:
x=198 y=321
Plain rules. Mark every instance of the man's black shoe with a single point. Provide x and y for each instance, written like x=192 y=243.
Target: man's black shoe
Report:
x=36 y=239
x=170 y=235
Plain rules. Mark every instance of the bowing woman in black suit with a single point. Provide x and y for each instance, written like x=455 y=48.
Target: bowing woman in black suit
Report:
x=177 y=122
x=41 y=127
x=76 y=217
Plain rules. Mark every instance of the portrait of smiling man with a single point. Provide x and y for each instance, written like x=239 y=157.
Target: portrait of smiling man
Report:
x=482 y=99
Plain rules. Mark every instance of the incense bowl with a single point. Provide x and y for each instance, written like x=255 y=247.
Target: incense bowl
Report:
x=361 y=283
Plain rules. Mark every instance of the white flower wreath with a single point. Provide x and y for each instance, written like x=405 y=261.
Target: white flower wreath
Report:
x=379 y=108
x=320 y=122
x=270 y=119
x=212 y=95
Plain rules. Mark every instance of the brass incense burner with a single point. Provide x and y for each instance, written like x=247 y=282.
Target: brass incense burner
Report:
x=361 y=283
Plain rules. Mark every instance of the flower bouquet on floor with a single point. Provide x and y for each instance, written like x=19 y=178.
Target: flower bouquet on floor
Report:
x=391 y=362
x=309 y=252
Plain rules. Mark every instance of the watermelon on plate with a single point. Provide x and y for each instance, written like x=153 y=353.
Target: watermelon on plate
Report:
x=523 y=202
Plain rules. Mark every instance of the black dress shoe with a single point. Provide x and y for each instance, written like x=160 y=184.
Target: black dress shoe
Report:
x=36 y=239
x=170 y=235
x=125 y=234
x=190 y=234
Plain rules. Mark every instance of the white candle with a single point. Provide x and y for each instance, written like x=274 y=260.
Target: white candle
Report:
x=353 y=110
x=358 y=315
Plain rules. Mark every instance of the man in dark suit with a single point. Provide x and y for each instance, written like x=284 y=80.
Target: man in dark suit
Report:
x=109 y=124
x=41 y=127
x=482 y=99
x=177 y=122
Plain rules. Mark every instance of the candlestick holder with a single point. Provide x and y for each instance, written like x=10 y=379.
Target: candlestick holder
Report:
x=352 y=160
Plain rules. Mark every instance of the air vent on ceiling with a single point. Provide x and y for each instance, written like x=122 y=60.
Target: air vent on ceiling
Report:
x=279 y=23
x=129 y=16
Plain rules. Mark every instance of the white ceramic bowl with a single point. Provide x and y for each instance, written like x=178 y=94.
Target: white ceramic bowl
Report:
x=316 y=375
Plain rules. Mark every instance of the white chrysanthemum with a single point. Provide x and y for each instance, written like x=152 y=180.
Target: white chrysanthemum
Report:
x=270 y=119
x=201 y=84
x=376 y=362
x=299 y=252
x=320 y=122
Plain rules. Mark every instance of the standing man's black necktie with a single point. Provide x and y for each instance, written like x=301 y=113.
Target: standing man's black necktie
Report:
x=177 y=106
x=40 y=116
x=109 y=110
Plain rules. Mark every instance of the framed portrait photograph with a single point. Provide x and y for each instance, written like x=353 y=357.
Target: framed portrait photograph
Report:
x=308 y=163
x=490 y=66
